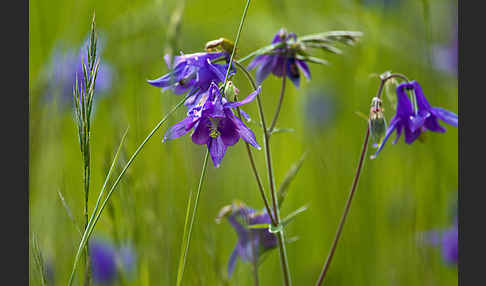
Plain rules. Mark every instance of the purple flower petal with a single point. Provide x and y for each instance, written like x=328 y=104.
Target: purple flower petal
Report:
x=228 y=132
x=216 y=150
x=232 y=262
x=445 y=115
x=248 y=99
x=177 y=130
x=422 y=102
x=202 y=131
x=389 y=131
x=304 y=68
x=245 y=132
x=293 y=72
x=264 y=69
x=258 y=60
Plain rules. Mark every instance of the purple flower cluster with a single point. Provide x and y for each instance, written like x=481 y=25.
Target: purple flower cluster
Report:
x=251 y=242
x=210 y=115
x=413 y=121
x=282 y=61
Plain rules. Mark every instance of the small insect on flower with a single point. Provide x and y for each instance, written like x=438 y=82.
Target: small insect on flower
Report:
x=377 y=120
x=220 y=45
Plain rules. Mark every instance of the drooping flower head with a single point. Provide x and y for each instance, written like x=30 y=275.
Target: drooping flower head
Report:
x=214 y=124
x=193 y=73
x=252 y=242
x=281 y=59
x=413 y=122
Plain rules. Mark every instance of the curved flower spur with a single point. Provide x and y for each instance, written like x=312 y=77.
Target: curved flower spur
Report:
x=215 y=124
x=287 y=55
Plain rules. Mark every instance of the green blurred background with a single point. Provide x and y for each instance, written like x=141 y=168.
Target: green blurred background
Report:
x=407 y=190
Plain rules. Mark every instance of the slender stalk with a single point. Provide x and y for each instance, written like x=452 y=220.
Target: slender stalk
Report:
x=346 y=208
x=194 y=211
x=354 y=185
x=268 y=159
x=236 y=42
x=94 y=219
x=255 y=261
x=280 y=101
x=257 y=177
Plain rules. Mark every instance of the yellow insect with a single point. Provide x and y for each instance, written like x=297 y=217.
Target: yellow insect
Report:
x=220 y=45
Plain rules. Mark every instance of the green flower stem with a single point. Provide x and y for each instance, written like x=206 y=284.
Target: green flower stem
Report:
x=280 y=101
x=94 y=219
x=194 y=211
x=268 y=159
x=354 y=185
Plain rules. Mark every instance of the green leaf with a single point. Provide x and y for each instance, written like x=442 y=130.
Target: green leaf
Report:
x=283 y=189
x=282 y=130
x=293 y=215
x=313 y=60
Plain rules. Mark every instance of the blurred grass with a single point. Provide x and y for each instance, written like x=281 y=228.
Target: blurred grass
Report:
x=408 y=189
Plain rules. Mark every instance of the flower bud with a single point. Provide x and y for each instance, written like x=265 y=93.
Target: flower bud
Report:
x=230 y=91
x=377 y=120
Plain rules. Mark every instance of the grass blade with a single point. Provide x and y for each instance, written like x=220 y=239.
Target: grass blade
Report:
x=87 y=233
x=180 y=268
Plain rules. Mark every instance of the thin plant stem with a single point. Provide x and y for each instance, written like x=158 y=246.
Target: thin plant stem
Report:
x=354 y=185
x=280 y=101
x=255 y=261
x=194 y=211
x=236 y=42
x=346 y=208
x=87 y=233
x=257 y=177
x=268 y=160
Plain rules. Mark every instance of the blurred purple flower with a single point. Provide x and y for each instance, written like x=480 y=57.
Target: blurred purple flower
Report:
x=251 y=242
x=103 y=263
x=107 y=260
x=413 y=122
x=280 y=59
x=193 y=73
x=445 y=56
x=65 y=65
x=214 y=124
x=447 y=240
x=320 y=110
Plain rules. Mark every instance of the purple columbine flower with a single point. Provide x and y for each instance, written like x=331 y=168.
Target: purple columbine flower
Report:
x=192 y=73
x=279 y=59
x=103 y=263
x=413 y=122
x=251 y=242
x=215 y=124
